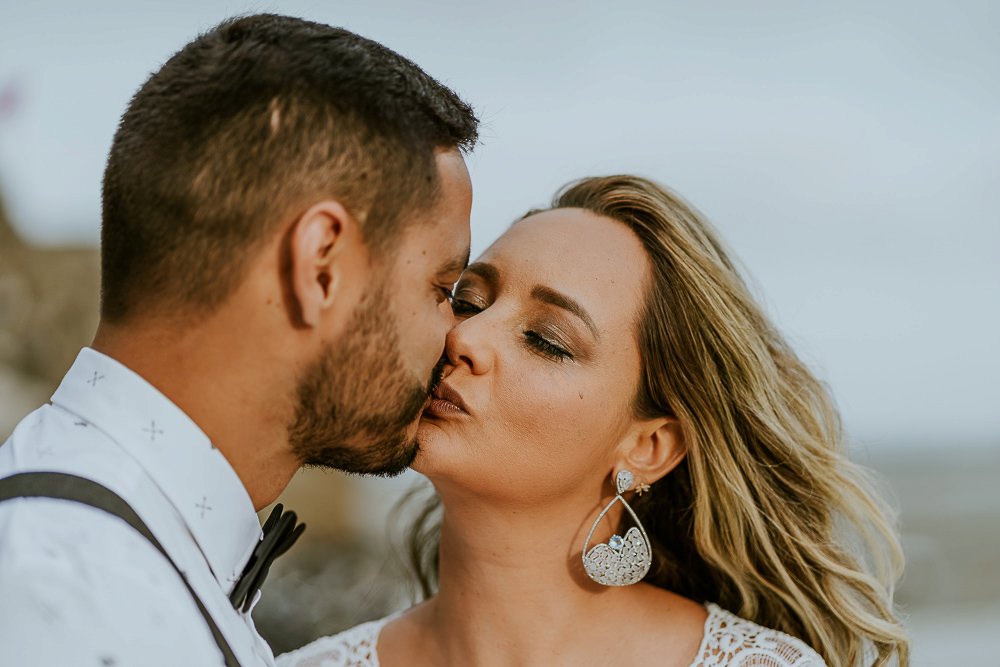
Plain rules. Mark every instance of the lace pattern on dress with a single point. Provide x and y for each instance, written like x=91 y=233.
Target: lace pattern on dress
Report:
x=350 y=648
x=729 y=641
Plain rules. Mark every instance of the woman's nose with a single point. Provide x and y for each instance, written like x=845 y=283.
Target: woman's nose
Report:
x=468 y=344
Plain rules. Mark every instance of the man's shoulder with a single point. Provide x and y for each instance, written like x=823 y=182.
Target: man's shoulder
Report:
x=90 y=555
x=67 y=535
x=76 y=581
x=53 y=440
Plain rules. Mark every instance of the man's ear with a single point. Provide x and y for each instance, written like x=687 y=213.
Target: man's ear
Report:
x=653 y=449
x=317 y=239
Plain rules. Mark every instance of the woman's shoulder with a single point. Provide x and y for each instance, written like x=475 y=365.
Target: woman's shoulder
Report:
x=354 y=647
x=732 y=641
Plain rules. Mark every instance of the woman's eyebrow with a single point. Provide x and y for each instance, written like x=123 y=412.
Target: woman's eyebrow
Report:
x=560 y=300
x=484 y=270
x=491 y=275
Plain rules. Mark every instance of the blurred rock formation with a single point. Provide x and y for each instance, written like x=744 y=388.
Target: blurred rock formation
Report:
x=48 y=311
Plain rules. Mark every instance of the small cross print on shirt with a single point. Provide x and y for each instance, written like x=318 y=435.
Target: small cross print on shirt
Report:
x=153 y=431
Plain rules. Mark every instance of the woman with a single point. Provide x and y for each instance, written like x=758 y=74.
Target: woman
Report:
x=614 y=396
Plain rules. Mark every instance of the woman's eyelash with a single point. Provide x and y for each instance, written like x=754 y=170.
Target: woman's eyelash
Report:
x=547 y=347
x=463 y=307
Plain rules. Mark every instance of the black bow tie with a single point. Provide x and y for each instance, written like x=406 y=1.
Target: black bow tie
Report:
x=280 y=533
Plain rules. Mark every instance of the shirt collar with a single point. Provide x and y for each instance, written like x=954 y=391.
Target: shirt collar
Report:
x=194 y=476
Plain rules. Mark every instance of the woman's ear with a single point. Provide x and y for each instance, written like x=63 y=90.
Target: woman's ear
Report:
x=316 y=240
x=653 y=449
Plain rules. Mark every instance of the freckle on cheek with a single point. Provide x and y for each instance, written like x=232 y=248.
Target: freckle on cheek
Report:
x=581 y=395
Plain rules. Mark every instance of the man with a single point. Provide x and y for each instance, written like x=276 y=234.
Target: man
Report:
x=285 y=210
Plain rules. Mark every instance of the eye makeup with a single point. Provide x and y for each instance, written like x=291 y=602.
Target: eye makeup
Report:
x=553 y=325
x=545 y=341
x=466 y=302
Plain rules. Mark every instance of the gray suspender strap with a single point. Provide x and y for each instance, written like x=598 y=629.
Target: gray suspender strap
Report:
x=88 y=492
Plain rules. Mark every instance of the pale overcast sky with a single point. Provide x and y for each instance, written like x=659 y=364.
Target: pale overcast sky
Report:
x=848 y=151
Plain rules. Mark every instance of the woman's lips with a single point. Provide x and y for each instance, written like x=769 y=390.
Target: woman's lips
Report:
x=446 y=402
x=442 y=408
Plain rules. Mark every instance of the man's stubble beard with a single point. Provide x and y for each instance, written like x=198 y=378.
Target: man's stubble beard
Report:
x=357 y=402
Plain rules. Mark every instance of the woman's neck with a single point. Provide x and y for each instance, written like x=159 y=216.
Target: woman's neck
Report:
x=513 y=592
x=518 y=574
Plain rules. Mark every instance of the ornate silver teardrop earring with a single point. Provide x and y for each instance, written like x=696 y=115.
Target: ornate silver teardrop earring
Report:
x=622 y=561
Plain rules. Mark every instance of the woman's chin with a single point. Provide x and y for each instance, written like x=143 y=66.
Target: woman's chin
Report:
x=431 y=429
x=434 y=441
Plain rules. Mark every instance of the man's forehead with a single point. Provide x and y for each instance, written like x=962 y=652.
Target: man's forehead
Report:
x=444 y=246
x=456 y=261
x=441 y=234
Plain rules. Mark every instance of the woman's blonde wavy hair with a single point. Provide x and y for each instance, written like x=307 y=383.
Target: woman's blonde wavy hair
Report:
x=766 y=515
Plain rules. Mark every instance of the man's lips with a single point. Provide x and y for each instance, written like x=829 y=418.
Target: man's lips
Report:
x=446 y=401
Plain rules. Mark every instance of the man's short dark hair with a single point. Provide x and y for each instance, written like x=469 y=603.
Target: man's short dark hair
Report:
x=246 y=126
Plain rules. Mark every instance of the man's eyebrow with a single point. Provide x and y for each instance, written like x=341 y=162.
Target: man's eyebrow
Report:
x=560 y=300
x=457 y=264
x=484 y=270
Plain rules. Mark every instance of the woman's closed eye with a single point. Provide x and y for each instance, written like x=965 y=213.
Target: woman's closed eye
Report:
x=546 y=347
x=466 y=304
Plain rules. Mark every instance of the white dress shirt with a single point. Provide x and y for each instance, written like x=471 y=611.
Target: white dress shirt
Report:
x=79 y=586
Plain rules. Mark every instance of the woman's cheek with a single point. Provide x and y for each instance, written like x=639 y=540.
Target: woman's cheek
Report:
x=545 y=413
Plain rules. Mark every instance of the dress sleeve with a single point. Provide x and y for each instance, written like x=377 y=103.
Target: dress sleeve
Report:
x=731 y=641
x=351 y=648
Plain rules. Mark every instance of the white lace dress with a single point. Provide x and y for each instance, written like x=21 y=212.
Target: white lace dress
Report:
x=729 y=641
